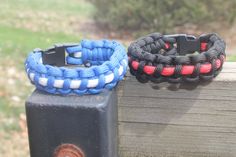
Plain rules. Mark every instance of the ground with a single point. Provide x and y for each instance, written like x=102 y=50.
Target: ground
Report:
x=27 y=24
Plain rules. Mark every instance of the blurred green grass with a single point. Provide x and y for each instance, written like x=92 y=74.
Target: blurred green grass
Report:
x=68 y=6
x=18 y=37
x=231 y=58
x=18 y=42
x=25 y=25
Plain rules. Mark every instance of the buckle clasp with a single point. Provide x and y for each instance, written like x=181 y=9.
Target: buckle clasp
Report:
x=56 y=55
x=186 y=44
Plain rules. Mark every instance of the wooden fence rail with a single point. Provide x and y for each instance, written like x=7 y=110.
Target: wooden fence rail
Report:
x=178 y=120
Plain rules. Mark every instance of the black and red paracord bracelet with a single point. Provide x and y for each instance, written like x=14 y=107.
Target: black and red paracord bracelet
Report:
x=176 y=58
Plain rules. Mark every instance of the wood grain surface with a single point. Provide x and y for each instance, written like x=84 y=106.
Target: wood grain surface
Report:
x=178 y=120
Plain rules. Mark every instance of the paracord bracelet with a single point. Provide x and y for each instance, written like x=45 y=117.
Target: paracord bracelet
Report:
x=105 y=65
x=176 y=58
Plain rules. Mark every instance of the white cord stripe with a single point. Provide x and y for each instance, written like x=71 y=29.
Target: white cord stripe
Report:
x=109 y=78
x=31 y=76
x=92 y=83
x=58 y=83
x=43 y=81
x=78 y=54
x=75 y=84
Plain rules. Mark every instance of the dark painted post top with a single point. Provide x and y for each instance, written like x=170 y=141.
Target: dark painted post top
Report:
x=72 y=126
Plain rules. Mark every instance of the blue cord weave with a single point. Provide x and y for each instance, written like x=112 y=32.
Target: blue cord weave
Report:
x=109 y=64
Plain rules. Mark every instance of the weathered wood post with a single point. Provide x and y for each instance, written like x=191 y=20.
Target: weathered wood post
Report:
x=72 y=126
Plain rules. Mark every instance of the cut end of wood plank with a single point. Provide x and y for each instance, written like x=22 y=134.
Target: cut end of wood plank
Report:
x=228 y=72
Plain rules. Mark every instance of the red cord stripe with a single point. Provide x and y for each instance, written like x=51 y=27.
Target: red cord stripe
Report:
x=203 y=46
x=186 y=69
x=167 y=45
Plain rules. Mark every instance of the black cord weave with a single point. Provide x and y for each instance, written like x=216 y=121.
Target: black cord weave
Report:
x=161 y=52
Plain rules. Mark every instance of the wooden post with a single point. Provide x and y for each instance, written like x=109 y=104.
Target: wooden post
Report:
x=182 y=120
x=72 y=126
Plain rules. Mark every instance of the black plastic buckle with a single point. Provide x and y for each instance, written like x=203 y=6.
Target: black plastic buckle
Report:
x=186 y=44
x=56 y=55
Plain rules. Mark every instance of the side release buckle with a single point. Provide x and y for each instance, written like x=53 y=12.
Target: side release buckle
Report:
x=186 y=44
x=56 y=55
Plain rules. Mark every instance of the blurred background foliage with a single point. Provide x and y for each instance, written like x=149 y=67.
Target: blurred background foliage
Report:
x=162 y=15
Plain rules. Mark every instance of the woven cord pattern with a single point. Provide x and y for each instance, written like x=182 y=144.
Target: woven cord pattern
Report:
x=107 y=63
x=155 y=58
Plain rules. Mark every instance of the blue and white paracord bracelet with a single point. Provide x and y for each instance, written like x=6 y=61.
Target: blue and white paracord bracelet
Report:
x=50 y=70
